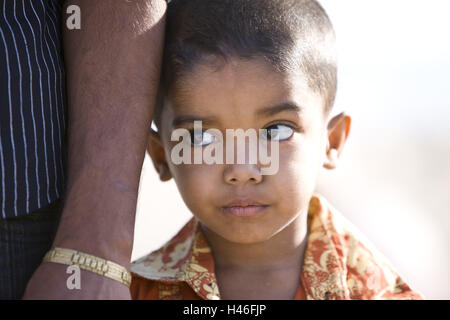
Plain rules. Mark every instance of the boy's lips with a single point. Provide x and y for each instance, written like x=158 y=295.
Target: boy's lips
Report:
x=244 y=207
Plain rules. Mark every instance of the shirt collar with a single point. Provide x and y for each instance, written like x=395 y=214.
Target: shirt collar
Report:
x=186 y=257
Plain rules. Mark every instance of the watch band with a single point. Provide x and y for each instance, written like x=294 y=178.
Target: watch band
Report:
x=89 y=262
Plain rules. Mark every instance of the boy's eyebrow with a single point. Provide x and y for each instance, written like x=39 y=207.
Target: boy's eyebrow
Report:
x=189 y=119
x=285 y=106
x=266 y=112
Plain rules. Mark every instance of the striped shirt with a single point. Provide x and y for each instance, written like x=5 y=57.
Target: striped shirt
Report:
x=32 y=106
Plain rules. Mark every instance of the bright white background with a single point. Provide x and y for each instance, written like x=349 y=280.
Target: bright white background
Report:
x=394 y=178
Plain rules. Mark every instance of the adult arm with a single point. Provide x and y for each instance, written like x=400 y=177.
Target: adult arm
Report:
x=112 y=64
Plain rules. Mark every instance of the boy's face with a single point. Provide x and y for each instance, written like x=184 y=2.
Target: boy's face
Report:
x=233 y=97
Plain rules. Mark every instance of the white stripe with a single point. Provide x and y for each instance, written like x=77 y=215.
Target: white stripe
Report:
x=61 y=80
x=61 y=75
x=42 y=112
x=32 y=102
x=56 y=106
x=10 y=113
x=2 y=161
x=50 y=98
x=21 y=104
x=21 y=112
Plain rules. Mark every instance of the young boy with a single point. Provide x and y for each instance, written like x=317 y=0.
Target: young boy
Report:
x=251 y=65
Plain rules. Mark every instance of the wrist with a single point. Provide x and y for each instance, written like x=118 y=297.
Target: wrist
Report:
x=110 y=238
x=90 y=263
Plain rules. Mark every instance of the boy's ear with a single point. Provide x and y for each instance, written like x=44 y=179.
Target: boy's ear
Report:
x=156 y=152
x=338 y=131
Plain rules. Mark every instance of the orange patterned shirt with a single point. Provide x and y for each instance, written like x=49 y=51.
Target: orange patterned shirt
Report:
x=338 y=264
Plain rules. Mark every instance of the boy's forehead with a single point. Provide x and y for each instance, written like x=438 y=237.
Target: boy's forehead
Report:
x=240 y=85
x=238 y=94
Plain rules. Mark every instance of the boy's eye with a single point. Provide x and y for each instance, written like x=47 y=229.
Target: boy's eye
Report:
x=202 y=138
x=279 y=132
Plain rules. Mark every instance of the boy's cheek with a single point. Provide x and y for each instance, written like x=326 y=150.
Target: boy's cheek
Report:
x=301 y=164
x=195 y=176
x=198 y=186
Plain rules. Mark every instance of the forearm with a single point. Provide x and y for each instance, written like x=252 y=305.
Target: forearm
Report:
x=112 y=66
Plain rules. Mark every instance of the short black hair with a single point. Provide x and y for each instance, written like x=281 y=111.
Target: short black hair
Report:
x=288 y=34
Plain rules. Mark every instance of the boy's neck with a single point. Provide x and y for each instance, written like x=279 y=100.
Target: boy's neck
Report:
x=283 y=251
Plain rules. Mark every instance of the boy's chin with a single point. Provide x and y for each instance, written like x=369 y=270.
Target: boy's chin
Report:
x=238 y=233
x=243 y=237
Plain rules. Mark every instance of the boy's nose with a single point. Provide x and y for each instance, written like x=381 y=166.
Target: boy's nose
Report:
x=242 y=173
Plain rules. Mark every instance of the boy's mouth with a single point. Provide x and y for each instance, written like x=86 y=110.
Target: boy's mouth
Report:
x=244 y=207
